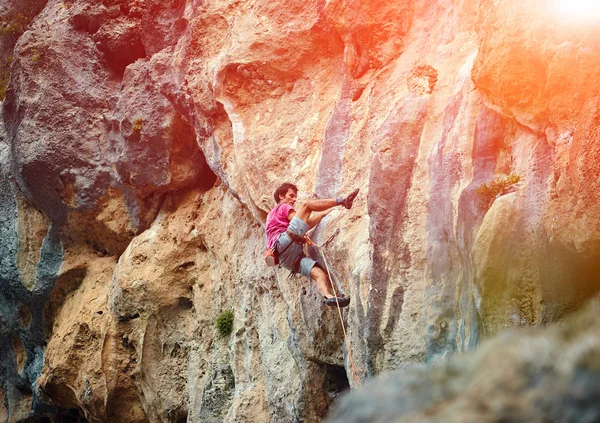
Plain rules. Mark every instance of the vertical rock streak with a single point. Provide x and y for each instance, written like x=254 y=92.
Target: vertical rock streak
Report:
x=487 y=140
x=396 y=146
x=331 y=166
x=9 y=277
x=443 y=254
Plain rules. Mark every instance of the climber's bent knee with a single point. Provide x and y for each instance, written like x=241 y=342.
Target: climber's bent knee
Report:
x=303 y=212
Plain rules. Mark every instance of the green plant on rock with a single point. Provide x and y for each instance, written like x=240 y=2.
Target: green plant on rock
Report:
x=138 y=124
x=499 y=186
x=13 y=23
x=35 y=55
x=19 y=16
x=4 y=75
x=225 y=323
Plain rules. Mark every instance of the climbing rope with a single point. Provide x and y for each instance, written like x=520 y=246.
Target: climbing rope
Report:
x=322 y=251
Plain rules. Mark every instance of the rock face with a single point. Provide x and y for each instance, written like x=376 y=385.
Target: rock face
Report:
x=141 y=144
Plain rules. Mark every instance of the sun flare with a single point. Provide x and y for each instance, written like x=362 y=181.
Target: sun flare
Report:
x=584 y=10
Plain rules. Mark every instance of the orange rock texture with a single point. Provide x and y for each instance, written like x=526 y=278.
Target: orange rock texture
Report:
x=141 y=145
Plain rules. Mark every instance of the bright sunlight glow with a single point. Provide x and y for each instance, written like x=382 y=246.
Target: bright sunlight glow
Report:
x=581 y=10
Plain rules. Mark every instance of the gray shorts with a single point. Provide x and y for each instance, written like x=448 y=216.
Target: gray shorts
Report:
x=289 y=255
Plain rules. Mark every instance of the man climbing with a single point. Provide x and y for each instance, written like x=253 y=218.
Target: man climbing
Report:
x=286 y=228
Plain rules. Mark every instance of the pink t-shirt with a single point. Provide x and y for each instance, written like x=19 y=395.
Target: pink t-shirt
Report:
x=277 y=222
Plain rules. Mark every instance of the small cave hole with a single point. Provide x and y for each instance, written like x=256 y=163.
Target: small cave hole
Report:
x=185 y=303
x=206 y=177
x=89 y=24
x=185 y=266
x=71 y=415
x=336 y=380
x=119 y=57
x=129 y=317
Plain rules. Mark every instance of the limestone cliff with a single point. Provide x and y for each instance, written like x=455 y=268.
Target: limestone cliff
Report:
x=142 y=141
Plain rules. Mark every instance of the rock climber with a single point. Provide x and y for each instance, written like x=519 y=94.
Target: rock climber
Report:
x=286 y=228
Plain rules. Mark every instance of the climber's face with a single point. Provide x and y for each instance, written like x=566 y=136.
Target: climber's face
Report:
x=289 y=198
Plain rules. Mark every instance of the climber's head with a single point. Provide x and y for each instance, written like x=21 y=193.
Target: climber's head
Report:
x=286 y=193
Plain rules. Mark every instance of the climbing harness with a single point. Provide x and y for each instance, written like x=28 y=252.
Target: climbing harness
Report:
x=271 y=255
x=322 y=251
x=298 y=239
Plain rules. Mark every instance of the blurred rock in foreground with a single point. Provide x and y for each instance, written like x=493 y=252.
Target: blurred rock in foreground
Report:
x=522 y=375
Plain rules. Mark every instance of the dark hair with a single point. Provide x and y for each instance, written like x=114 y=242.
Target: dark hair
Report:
x=283 y=190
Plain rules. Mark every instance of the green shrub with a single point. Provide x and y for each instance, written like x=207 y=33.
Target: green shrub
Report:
x=17 y=19
x=497 y=187
x=35 y=55
x=225 y=323
x=4 y=76
x=13 y=23
x=138 y=124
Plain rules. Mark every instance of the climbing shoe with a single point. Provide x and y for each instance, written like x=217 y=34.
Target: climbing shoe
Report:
x=331 y=302
x=350 y=198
